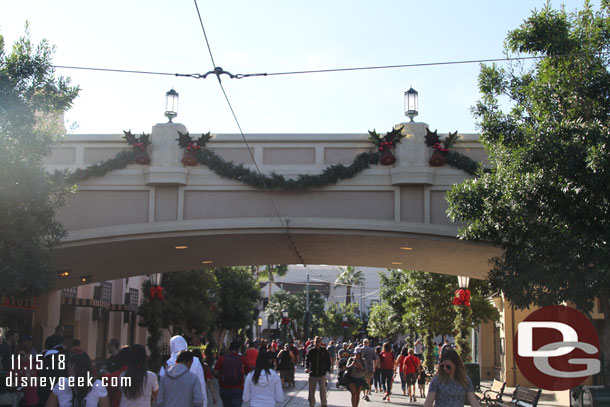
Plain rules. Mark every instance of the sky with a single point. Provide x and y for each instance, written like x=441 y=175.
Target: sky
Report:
x=258 y=36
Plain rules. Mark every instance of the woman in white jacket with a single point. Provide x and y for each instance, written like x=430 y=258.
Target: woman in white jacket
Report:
x=263 y=387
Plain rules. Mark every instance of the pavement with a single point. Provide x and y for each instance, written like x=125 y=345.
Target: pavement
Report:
x=297 y=396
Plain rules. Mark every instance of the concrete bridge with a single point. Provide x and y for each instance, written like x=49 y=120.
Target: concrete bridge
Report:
x=165 y=217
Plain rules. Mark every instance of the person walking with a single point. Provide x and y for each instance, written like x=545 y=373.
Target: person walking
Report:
x=263 y=387
x=317 y=364
x=377 y=372
x=400 y=366
x=177 y=344
x=231 y=370
x=80 y=392
x=370 y=356
x=179 y=386
x=357 y=368
x=387 y=369
x=418 y=349
x=411 y=368
x=251 y=354
x=286 y=366
x=332 y=352
x=144 y=386
x=451 y=386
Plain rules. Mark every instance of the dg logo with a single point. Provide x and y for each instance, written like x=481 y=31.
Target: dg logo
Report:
x=557 y=348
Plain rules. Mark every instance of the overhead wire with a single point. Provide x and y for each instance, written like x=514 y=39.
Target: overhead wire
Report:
x=218 y=71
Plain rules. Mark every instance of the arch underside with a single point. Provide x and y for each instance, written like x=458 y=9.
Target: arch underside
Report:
x=118 y=256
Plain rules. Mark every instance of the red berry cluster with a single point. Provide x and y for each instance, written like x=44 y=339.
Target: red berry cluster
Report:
x=386 y=145
x=439 y=147
x=193 y=147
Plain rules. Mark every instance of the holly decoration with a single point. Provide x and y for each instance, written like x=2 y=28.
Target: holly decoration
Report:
x=186 y=141
x=388 y=141
x=137 y=143
x=433 y=140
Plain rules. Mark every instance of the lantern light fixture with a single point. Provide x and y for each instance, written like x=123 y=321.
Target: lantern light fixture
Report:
x=155 y=279
x=171 y=104
x=411 y=103
x=284 y=314
x=463 y=281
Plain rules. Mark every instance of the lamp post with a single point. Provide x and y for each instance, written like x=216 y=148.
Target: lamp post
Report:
x=344 y=325
x=463 y=319
x=285 y=322
x=171 y=104
x=411 y=103
x=463 y=282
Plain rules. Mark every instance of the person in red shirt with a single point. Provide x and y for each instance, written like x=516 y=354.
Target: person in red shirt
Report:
x=231 y=370
x=400 y=366
x=411 y=369
x=387 y=369
x=251 y=355
x=22 y=369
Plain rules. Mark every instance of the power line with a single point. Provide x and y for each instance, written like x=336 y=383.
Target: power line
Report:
x=218 y=71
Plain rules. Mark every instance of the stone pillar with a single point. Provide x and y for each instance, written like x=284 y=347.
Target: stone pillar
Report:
x=46 y=317
x=166 y=155
x=412 y=156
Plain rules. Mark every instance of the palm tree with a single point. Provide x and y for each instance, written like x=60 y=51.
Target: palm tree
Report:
x=350 y=277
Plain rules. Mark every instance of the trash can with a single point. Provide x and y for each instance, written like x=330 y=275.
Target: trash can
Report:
x=590 y=396
x=473 y=371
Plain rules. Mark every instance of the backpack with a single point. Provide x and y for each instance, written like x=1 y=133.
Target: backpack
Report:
x=232 y=374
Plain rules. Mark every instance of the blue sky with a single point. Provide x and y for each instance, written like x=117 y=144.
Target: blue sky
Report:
x=271 y=36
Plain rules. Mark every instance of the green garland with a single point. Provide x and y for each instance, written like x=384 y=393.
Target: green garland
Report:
x=330 y=175
x=120 y=161
x=453 y=158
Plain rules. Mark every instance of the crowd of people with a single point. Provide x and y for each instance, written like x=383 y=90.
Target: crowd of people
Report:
x=66 y=377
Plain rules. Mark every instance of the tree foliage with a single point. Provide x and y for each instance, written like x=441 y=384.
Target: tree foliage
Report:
x=546 y=128
x=350 y=277
x=333 y=318
x=384 y=322
x=295 y=304
x=32 y=103
x=237 y=297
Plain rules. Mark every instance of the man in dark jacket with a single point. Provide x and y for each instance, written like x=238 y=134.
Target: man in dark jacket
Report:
x=317 y=364
x=179 y=387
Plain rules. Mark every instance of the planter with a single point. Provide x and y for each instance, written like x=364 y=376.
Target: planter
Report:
x=437 y=159
x=387 y=158
x=142 y=158
x=189 y=159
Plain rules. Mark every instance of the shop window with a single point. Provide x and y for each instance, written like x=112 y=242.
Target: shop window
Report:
x=134 y=297
x=68 y=292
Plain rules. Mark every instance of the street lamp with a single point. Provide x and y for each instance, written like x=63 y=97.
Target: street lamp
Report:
x=463 y=281
x=411 y=103
x=171 y=104
x=344 y=324
x=285 y=322
x=155 y=279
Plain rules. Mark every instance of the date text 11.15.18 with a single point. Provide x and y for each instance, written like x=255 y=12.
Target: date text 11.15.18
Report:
x=36 y=362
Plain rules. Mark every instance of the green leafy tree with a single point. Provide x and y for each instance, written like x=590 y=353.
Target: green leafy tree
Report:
x=189 y=307
x=546 y=128
x=237 y=298
x=350 y=277
x=295 y=304
x=425 y=302
x=384 y=322
x=32 y=103
x=333 y=317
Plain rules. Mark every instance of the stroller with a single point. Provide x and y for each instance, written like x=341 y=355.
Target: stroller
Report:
x=343 y=374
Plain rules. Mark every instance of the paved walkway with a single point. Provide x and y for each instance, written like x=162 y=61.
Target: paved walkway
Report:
x=297 y=396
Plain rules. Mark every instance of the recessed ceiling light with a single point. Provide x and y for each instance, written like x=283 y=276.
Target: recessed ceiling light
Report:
x=63 y=273
x=395 y=262
x=206 y=262
x=406 y=248
x=181 y=247
x=85 y=279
